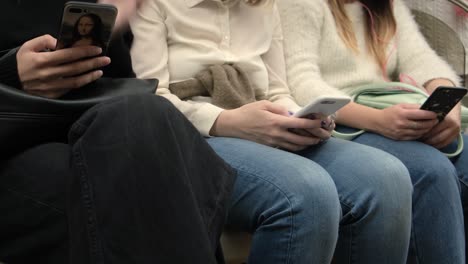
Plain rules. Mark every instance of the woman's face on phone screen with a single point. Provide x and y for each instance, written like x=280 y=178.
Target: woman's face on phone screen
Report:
x=85 y=26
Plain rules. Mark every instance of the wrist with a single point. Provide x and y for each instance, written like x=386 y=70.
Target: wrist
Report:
x=359 y=116
x=374 y=120
x=221 y=125
x=432 y=84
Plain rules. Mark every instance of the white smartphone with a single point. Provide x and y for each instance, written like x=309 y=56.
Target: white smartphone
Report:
x=325 y=105
x=86 y=23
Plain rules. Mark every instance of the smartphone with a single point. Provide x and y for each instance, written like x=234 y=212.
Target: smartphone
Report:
x=325 y=105
x=86 y=23
x=443 y=99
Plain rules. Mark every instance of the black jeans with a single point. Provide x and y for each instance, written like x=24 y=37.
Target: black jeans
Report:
x=136 y=184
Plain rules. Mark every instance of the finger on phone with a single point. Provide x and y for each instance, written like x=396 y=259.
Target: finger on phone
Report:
x=321 y=133
x=424 y=124
x=418 y=114
x=82 y=80
x=78 y=67
x=44 y=42
x=437 y=141
x=301 y=140
x=68 y=55
x=56 y=86
x=300 y=123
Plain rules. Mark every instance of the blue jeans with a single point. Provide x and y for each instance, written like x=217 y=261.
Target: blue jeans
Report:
x=438 y=230
x=296 y=203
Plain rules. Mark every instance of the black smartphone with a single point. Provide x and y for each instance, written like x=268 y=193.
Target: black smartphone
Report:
x=86 y=23
x=443 y=99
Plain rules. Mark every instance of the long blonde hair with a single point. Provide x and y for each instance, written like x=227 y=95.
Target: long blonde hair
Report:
x=380 y=24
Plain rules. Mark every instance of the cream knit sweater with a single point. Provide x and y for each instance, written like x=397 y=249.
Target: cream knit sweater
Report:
x=318 y=62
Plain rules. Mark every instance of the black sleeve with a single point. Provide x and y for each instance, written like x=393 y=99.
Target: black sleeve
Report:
x=119 y=52
x=9 y=69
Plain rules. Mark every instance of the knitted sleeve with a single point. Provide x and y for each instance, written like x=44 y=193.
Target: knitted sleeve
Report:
x=8 y=69
x=302 y=22
x=415 y=57
x=278 y=90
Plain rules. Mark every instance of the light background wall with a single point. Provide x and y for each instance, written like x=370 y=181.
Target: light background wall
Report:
x=445 y=11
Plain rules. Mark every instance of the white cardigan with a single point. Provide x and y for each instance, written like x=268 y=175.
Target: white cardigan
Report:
x=318 y=62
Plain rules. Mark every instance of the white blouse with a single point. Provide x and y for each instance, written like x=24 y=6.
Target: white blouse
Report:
x=176 y=39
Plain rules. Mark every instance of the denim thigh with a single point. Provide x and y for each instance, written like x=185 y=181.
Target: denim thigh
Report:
x=375 y=194
x=437 y=209
x=461 y=164
x=289 y=203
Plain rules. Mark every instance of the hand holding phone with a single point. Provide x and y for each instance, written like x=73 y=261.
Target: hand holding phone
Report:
x=325 y=105
x=443 y=99
x=86 y=23
x=52 y=74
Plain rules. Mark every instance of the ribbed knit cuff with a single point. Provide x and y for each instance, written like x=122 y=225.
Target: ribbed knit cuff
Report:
x=9 y=69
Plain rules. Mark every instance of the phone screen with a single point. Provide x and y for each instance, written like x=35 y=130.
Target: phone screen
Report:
x=86 y=24
x=443 y=99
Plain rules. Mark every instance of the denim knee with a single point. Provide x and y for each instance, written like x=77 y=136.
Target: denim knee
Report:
x=385 y=192
x=310 y=201
x=433 y=171
x=293 y=210
x=312 y=195
x=277 y=187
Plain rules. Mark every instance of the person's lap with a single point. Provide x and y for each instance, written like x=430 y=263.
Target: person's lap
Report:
x=363 y=176
x=436 y=199
x=294 y=218
x=461 y=164
x=375 y=195
x=164 y=190
x=33 y=196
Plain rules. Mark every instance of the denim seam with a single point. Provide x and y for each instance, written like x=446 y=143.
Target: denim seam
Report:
x=224 y=186
x=219 y=202
x=352 y=241
x=35 y=200
x=462 y=181
x=353 y=244
x=414 y=240
x=88 y=204
x=288 y=260
x=347 y=204
x=78 y=128
x=207 y=222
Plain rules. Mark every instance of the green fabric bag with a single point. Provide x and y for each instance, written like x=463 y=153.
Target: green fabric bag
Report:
x=385 y=94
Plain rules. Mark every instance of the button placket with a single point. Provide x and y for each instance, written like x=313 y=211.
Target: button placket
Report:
x=225 y=45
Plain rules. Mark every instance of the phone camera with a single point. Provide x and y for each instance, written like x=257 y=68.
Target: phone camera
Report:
x=75 y=10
